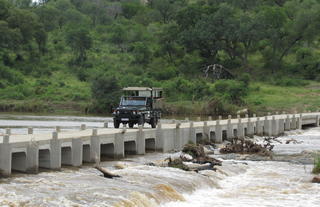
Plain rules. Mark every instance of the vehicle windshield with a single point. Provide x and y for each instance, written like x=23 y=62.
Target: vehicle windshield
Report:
x=133 y=101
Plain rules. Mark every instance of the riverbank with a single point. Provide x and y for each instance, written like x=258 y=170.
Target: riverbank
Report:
x=262 y=98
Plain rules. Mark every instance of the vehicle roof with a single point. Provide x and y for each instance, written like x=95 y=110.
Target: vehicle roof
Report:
x=140 y=89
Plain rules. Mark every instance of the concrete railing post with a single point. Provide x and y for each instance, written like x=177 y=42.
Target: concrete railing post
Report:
x=209 y=118
x=30 y=130
x=5 y=156
x=105 y=125
x=198 y=118
x=141 y=142
x=58 y=129
x=83 y=127
x=317 y=120
x=8 y=131
x=220 y=117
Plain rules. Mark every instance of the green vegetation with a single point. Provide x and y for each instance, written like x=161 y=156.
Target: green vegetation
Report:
x=75 y=55
x=316 y=168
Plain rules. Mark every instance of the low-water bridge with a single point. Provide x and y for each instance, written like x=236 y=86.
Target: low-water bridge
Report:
x=27 y=153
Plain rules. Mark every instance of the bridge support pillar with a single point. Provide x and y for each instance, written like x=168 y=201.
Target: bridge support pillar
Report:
x=250 y=129
x=293 y=122
x=240 y=130
x=281 y=126
x=55 y=152
x=77 y=152
x=178 y=137
x=119 y=145
x=206 y=131
x=5 y=157
x=95 y=148
x=192 y=134
x=229 y=129
x=275 y=126
x=259 y=127
x=287 y=123
x=218 y=132
x=141 y=142
x=267 y=127
x=32 y=158
x=159 y=138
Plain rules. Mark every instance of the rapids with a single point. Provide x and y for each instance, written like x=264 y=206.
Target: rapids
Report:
x=235 y=183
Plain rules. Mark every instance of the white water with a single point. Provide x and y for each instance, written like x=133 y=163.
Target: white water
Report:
x=234 y=184
x=264 y=184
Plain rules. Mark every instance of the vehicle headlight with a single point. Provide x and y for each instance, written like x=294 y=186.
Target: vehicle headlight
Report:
x=118 y=112
x=134 y=112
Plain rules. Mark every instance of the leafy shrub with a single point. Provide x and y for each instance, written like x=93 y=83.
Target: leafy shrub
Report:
x=285 y=81
x=231 y=91
x=316 y=168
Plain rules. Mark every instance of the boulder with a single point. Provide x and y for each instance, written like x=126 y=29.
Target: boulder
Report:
x=316 y=179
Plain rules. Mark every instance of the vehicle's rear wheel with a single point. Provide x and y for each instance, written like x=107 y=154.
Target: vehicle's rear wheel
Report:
x=131 y=125
x=153 y=123
x=116 y=123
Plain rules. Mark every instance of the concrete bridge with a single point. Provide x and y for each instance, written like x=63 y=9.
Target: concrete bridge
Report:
x=28 y=153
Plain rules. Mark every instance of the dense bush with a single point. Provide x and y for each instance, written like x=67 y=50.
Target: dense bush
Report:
x=105 y=91
x=231 y=91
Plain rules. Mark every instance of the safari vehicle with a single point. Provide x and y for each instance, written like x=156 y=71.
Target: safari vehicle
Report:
x=139 y=105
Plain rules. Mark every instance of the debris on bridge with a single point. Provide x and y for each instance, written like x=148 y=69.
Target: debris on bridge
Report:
x=246 y=146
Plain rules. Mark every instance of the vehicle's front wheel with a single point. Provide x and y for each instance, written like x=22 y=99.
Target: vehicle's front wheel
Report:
x=153 y=123
x=141 y=121
x=131 y=125
x=116 y=124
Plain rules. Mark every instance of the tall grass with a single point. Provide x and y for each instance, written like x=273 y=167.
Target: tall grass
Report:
x=316 y=168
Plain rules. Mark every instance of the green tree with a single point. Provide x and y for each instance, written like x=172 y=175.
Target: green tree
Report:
x=105 y=91
x=80 y=41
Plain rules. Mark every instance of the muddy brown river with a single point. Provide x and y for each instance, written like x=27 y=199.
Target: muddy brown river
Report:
x=235 y=183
